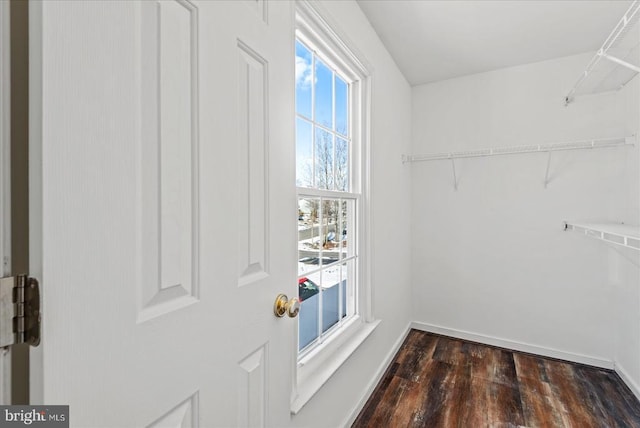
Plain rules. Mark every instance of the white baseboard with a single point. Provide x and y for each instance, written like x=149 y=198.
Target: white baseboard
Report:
x=624 y=375
x=376 y=378
x=516 y=346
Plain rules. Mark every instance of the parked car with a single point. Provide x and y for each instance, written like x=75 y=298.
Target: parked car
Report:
x=306 y=289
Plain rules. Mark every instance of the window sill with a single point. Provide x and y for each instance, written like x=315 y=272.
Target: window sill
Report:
x=315 y=369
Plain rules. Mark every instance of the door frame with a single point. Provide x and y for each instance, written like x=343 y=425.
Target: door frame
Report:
x=36 y=367
x=5 y=139
x=5 y=180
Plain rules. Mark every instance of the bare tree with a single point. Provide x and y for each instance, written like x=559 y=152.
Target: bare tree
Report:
x=330 y=172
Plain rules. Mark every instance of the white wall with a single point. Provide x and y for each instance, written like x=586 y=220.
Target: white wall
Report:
x=491 y=261
x=624 y=265
x=390 y=197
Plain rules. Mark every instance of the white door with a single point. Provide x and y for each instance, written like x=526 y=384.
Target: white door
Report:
x=162 y=164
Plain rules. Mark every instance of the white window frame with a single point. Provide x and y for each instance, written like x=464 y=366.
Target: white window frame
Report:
x=315 y=367
x=352 y=195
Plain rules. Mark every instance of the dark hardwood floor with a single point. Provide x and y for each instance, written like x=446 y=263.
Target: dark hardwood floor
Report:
x=438 y=381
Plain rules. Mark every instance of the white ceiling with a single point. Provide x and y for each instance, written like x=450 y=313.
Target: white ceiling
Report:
x=437 y=40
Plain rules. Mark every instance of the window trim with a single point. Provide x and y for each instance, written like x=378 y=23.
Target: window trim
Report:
x=315 y=29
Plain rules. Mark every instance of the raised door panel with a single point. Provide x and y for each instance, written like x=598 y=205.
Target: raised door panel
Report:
x=184 y=415
x=169 y=188
x=253 y=181
x=252 y=387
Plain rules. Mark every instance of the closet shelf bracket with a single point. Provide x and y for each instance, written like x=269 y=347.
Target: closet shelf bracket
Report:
x=546 y=175
x=455 y=178
x=621 y=62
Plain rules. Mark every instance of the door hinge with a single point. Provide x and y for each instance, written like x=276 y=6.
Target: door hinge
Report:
x=19 y=311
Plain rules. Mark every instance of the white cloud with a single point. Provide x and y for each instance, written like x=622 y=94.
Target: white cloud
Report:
x=303 y=72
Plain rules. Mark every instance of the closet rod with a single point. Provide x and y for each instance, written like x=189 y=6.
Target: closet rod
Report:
x=537 y=148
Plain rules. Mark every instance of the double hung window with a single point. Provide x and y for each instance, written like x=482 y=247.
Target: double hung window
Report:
x=327 y=156
x=332 y=89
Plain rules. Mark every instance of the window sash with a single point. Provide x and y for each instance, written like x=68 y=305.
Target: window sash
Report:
x=347 y=263
x=303 y=192
x=343 y=74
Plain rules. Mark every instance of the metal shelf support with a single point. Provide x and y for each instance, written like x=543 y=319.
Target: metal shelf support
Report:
x=546 y=176
x=455 y=179
x=621 y=62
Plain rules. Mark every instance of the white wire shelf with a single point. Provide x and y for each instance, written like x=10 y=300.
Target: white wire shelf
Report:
x=621 y=54
x=536 y=148
x=614 y=233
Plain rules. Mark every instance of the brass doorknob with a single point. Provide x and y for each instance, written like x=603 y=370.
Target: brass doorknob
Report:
x=283 y=305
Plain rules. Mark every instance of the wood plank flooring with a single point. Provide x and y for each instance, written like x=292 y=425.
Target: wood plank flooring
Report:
x=438 y=381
